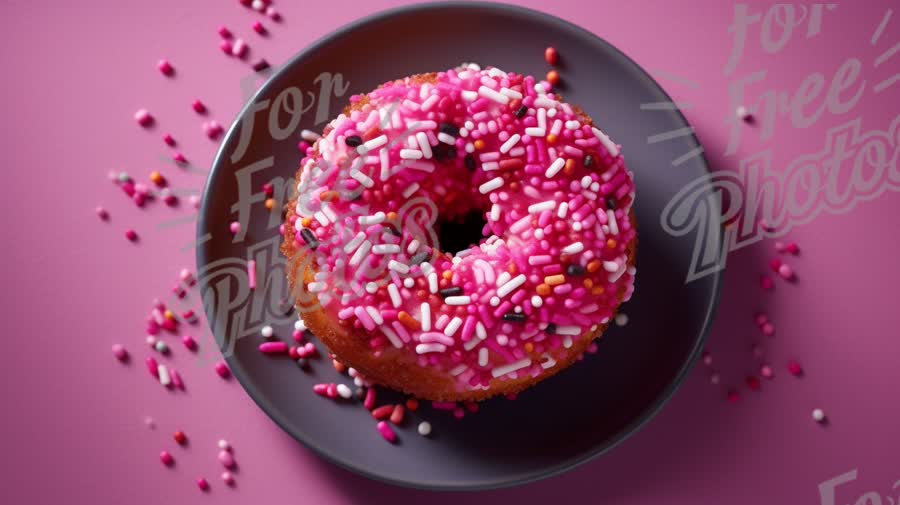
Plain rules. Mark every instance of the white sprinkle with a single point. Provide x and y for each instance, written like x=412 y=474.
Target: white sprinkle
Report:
x=469 y=96
x=535 y=131
x=509 y=144
x=447 y=139
x=458 y=300
x=344 y=392
x=515 y=95
x=410 y=189
x=555 y=167
x=353 y=244
x=421 y=125
x=309 y=135
x=503 y=278
x=424 y=166
x=491 y=94
x=423 y=144
x=541 y=259
x=385 y=167
x=363 y=179
x=267 y=331
x=426 y=348
x=613 y=224
x=316 y=287
x=409 y=282
x=424 y=428
x=537 y=208
x=491 y=156
x=567 y=342
x=742 y=112
x=500 y=371
x=621 y=319
x=376 y=316
x=376 y=218
x=490 y=166
x=568 y=330
x=545 y=103
x=491 y=185
x=573 y=125
x=563 y=210
x=614 y=277
x=164 y=378
x=573 y=248
x=607 y=143
x=480 y=332
x=372 y=144
x=483 y=356
x=389 y=333
x=454 y=325
x=429 y=102
x=426 y=317
x=495 y=212
x=386 y=249
x=458 y=369
x=320 y=217
x=610 y=266
x=398 y=267
x=433 y=282
x=818 y=415
x=557 y=125
x=371 y=288
x=360 y=253
x=299 y=325
x=511 y=286
x=548 y=361
x=537 y=301
x=410 y=154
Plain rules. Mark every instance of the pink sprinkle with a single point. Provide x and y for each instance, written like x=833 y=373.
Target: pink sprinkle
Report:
x=224 y=32
x=459 y=413
x=786 y=272
x=794 y=368
x=259 y=28
x=779 y=246
x=443 y=405
x=165 y=67
x=226 y=47
x=228 y=478
x=198 y=106
x=707 y=358
x=166 y=458
x=102 y=213
x=369 y=402
x=766 y=282
x=775 y=264
x=203 y=484
x=152 y=366
x=187 y=277
x=235 y=227
x=239 y=48
x=760 y=319
x=176 y=379
x=766 y=371
x=195 y=201
x=251 y=273
x=331 y=391
x=212 y=129
x=222 y=370
x=386 y=431
x=768 y=329
x=269 y=189
x=320 y=389
x=189 y=342
x=258 y=5
x=119 y=352
x=792 y=248
x=227 y=459
x=143 y=117
x=273 y=347
x=273 y=14
x=169 y=140
x=131 y=235
x=189 y=316
x=179 y=158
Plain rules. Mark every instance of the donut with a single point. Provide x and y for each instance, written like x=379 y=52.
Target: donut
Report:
x=411 y=159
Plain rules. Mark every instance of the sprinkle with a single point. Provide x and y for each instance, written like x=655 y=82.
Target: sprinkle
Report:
x=166 y=458
x=573 y=248
x=386 y=431
x=372 y=144
x=143 y=117
x=514 y=317
x=398 y=267
x=537 y=208
x=267 y=331
x=376 y=218
x=818 y=415
x=119 y=352
x=228 y=478
x=553 y=77
x=273 y=348
x=223 y=445
x=222 y=370
x=621 y=319
x=344 y=391
x=203 y=484
x=251 y=273
x=786 y=272
x=491 y=94
x=397 y=414
x=226 y=458
x=509 y=144
x=511 y=286
x=239 y=48
x=743 y=113
x=555 y=167
x=607 y=143
x=424 y=428
x=491 y=185
x=554 y=280
x=511 y=367
x=224 y=32
x=427 y=348
x=794 y=368
x=458 y=300
x=309 y=135
x=165 y=67
x=259 y=28
x=386 y=249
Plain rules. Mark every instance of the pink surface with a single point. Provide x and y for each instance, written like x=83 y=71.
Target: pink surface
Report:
x=73 y=423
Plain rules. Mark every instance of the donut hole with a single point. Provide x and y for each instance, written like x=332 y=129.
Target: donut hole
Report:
x=461 y=233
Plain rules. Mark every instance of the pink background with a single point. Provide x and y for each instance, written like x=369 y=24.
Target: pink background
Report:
x=73 y=427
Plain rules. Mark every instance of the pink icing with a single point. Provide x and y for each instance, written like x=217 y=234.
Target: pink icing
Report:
x=553 y=266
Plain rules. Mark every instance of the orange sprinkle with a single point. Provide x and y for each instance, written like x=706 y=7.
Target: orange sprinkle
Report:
x=529 y=347
x=340 y=367
x=412 y=405
x=593 y=266
x=512 y=269
x=553 y=77
x=554 y=280
x=588 y=283
x=391 y=216
x=157 y=178
x=169 y=315
x=306 y=222
x=551 y=139
x=611 y=243
x=543 y=290
x=570 y=167
x=598 y=290
x=270 y=203
x=408 y=321
x=447 y=274
x=479 y=144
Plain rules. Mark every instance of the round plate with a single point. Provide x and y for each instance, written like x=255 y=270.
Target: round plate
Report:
x=550 y=428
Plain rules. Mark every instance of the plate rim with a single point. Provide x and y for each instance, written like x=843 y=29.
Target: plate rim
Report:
x=624 y=434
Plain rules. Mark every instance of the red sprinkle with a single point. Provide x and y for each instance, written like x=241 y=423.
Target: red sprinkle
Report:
x=222 y=370
x=166 y=458
x=119 y=352
x=794 y=368
x=321 y=389
x=551 y=55
x=766 y=282
x=753 y=383
x=412 y=405
x=383 y=412
x=259 y=28
x=369 y=402
x=131 y=235
x=179 y=158
x=152 y=366
x=386 y=431
x=226 y=47
x=176 y=379
x=180 y=437
x=198 y=107
x=397 y=414
x=224 y=32
x=553 y=77
x=203 y=484
x=165 y=67
x=792 y=248
x=102 y=213
x=775 y=264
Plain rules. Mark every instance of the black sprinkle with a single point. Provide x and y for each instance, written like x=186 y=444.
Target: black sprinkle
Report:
x=440 y=151
x=551 y=329
x=303 y=363
x=575 y=270
x=353 y=141
x=521 y=111
x=514 y=317
x=395 y=231
x=450 y=129
x=610 y=203
x=454 y=291
x=260 y=65
x=309 y=238
x=470 y=162
x=588 y=161
x=419 y=257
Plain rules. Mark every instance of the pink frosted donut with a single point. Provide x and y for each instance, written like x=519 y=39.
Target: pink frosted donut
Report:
x=555 y=262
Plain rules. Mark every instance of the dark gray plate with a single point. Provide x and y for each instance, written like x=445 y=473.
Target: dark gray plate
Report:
x=563 y=421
